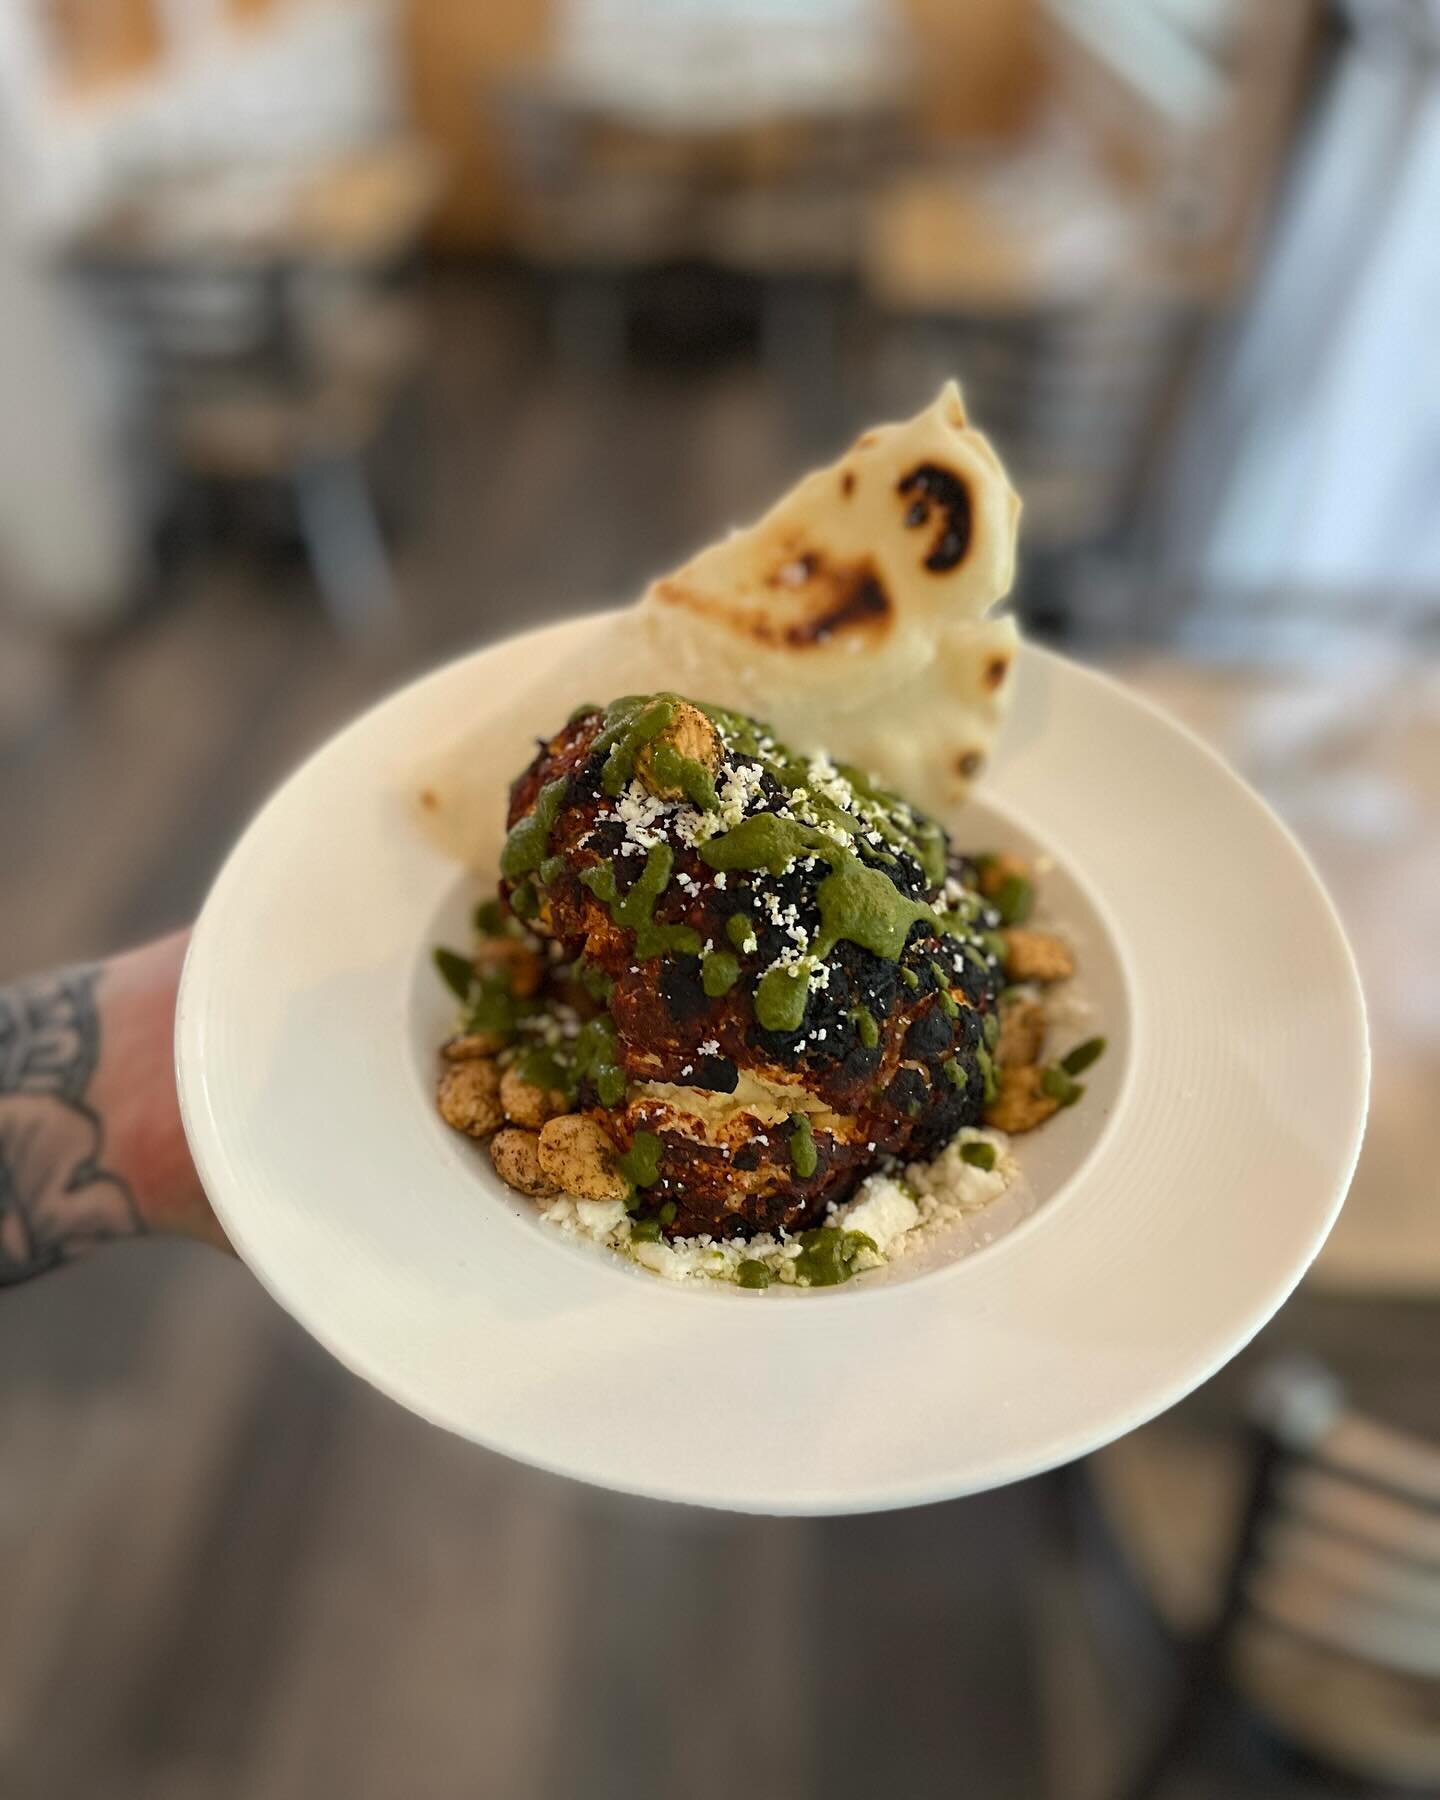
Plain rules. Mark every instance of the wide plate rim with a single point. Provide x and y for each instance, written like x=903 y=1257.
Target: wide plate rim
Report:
x=749 y=1495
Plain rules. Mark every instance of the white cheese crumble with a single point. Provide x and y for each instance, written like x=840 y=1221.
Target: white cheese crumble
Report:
x=900 y=1216
x=885 y=1211
x=736 y=793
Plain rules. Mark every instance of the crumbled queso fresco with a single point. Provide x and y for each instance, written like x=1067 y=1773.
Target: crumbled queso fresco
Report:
x=899 y=1210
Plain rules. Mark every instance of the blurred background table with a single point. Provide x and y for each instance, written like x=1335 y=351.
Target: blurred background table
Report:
x=1349 y=754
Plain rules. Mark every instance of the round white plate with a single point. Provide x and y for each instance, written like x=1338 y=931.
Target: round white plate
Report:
x=1178 y=1204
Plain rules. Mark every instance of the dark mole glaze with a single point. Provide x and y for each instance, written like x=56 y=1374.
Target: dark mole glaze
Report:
x=659 y=1011
x=716 y=1075
x=929 y=1036
x=681 y=990
x=933 y=486
x=909 y=1088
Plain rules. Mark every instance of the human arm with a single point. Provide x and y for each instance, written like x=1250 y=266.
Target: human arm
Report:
x=91 y=1145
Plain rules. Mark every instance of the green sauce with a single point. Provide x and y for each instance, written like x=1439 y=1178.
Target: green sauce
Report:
x=739 y=930
x=597 y=1056
x=640 y=1164
x=630 y=724
x=596 y=983
x=456 y=971
x=804 y=1157
x=827 y=1255
x=752 y=1274
x=857 y=903
x=635 y=911
x=719 y=971
x=672 y=770
x=947 y=1000
x=529 y=841
x=954 y=1074
x=545 y=1069
x=865 y=1025
x=594 y=1054
x=610 y=1085
x=764 y=842
x=493 y=1007
x=924 y=840
x=879 y=810
x=780 y=997
x=864 y=906
x=959 y=920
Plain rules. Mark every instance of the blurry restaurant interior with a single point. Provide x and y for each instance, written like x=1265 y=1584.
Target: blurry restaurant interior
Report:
x=338 y=336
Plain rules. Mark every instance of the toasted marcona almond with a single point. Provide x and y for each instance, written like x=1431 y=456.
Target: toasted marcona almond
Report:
x=1020 y=1104
x=579 y=1158
x=1022 y=1032
x=1035 y=955
x=466 y=1045
x=689 y=734
x=469 y=1097
x=516 y=1156
x=527 y=1103
x=997 y=871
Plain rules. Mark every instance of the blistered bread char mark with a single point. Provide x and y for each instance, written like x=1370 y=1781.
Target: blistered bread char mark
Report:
x=847 y=483
x=969 y=764
x=835 y=599
x=932 y=485
x=863 y=603
x=995 y=672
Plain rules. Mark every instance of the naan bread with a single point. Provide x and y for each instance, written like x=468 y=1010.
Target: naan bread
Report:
x=852 y=616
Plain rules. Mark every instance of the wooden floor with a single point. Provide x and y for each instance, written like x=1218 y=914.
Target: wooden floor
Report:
x=227 y=1570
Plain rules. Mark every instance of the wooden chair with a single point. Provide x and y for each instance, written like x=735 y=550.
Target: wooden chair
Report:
x=275 y=344
x=1328 y=1623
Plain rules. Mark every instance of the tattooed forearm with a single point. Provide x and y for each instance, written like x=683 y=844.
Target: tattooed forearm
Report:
x=57 y=1197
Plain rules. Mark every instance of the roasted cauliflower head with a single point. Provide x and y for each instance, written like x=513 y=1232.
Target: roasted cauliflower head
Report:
x=776 y=973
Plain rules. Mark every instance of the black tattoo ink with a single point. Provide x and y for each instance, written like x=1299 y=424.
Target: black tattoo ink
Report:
x=57 y=1199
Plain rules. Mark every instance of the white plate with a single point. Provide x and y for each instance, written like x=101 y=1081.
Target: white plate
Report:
x=1178 y=1204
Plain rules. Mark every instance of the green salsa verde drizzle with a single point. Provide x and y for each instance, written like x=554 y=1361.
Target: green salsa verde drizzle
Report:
x=827 y=1255
x=804 y=1157
x=858 y=902
x=719 y=971
x=640 y=1164
x=528 y=843
x=635 y=910
x=593 y=1055
x=876 y=810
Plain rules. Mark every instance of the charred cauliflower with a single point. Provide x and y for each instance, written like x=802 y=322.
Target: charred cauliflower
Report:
x=763 y=974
